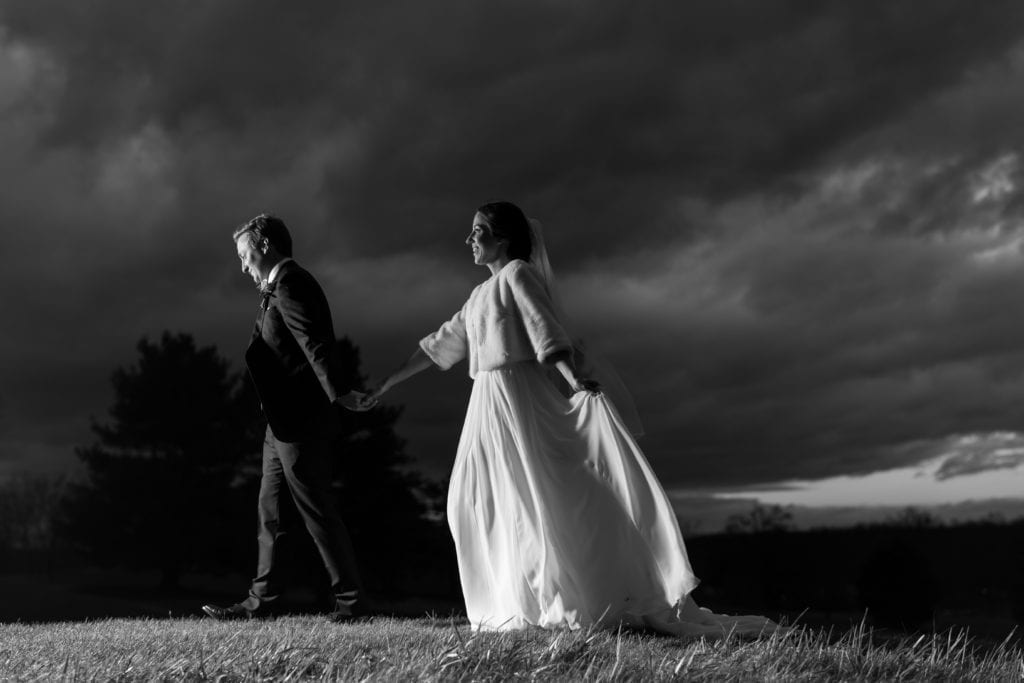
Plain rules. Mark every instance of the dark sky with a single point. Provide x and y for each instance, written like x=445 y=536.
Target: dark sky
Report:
x=795 y=227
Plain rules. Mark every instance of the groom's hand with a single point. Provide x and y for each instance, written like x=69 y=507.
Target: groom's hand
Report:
x=357 y=401
x=367 y=401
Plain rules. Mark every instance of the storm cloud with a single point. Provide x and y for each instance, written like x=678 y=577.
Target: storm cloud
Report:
x=794 y=227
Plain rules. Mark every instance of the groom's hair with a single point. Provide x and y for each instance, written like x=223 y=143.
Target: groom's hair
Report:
x=269 y=227
x=508 y=222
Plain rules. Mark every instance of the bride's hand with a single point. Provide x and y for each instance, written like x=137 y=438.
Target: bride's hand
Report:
x=591 y=386
x=377 y=389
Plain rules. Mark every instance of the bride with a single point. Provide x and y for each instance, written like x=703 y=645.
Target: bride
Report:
x=557 y=517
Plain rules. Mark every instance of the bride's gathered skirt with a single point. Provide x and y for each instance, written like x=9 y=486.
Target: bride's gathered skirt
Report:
x=558 y=519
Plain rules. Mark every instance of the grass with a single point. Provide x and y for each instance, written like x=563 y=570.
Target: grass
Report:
x=388 y=649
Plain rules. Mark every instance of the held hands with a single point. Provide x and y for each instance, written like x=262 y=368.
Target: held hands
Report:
x=357 y=401
x=377 y=390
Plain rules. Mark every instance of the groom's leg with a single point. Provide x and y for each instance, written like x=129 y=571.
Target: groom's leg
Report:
x=265 y=586
x=307 y=471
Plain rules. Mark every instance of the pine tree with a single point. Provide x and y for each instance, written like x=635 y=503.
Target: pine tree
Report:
x=172 y=478
x=164 y=475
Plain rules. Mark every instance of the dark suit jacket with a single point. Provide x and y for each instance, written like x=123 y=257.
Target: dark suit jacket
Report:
x=291 y=357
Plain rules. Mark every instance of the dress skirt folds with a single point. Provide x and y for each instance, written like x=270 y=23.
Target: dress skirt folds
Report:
x=558 y=519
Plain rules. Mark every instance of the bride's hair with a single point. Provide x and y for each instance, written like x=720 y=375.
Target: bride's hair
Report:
x=509 y=222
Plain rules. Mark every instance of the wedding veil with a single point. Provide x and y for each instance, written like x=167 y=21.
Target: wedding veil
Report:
x=588 y=362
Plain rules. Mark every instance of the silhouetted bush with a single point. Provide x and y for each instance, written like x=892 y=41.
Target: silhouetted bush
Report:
x=28 y=509
x=760 y=519
x=897 y=586
x=913 y=518
x=1016 y=589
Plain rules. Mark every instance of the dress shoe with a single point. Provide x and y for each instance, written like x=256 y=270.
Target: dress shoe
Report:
x=235 y=611
x=346 y=613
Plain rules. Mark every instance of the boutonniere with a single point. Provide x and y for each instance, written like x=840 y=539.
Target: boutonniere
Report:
x=267 y=291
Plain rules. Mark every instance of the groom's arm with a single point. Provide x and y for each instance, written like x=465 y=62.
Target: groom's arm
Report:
x=303 y=308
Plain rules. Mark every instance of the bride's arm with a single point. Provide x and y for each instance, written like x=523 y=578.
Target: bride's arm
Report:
x=562 y=360
x=443 y=348
x=417 y=362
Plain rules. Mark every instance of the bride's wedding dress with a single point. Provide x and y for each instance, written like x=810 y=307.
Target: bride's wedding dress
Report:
x=557 y=517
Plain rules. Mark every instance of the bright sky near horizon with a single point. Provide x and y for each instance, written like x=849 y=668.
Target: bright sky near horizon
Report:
x=923 y=484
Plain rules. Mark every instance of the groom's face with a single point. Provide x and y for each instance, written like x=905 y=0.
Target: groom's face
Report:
x=253 y=255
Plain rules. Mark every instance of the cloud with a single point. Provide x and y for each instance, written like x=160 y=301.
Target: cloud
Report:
x=795 y=230
x=593 y=118
x=976 y=453
x=811 y=340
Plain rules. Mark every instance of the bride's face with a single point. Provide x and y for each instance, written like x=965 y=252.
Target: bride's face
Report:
x=486 y=247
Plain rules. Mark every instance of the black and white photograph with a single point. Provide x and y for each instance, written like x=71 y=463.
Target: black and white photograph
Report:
x=495 y=340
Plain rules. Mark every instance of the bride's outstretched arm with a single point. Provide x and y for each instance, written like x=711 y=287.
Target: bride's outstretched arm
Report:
x=417 y=362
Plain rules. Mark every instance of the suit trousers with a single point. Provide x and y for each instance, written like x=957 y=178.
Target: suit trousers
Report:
x=304 y=469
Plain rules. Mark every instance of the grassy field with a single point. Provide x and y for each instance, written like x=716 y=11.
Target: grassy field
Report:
x=387 y=649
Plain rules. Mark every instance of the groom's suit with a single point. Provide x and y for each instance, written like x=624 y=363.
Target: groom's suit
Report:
x=290 y=356
x=290 y=361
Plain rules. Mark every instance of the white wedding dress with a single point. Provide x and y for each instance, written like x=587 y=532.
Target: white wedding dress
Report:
x=557 y=517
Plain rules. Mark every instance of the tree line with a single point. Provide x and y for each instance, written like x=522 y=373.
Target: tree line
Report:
x=171 y=480
x=172 y=474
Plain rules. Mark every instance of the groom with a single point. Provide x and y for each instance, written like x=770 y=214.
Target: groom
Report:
x=289 y=361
